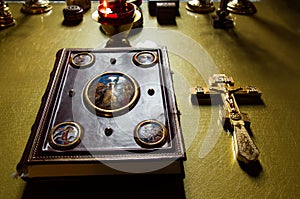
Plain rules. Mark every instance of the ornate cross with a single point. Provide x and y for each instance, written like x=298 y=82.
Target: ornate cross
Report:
x=222 y=90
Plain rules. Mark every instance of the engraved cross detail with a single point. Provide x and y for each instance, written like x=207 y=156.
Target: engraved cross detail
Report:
x=222 y=90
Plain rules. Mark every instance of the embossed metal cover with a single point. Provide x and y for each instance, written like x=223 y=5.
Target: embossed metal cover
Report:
x=104 y=113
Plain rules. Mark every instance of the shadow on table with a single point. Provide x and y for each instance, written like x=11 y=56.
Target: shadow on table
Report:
x=106 y=187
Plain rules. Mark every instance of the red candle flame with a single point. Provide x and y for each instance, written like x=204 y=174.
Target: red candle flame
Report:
x=115 y=12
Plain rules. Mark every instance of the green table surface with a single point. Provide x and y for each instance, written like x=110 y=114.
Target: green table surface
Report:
x=262 y=50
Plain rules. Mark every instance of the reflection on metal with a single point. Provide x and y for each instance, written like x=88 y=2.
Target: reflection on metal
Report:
x=243 y=7
x=36 y=6
x=6 y=19
x=200 y=6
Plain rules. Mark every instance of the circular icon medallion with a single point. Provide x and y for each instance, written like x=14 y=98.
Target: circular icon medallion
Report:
x=111 y=93
x=65 y=135
x=83 y=59
x=150 y=134
x=145 y=59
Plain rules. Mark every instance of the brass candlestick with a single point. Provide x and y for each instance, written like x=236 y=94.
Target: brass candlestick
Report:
x=6 y=19
x=222 y=18
x=243 y=7
x=200 y=6
x=36 y=6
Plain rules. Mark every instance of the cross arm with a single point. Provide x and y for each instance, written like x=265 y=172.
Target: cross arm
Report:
x=244 y=95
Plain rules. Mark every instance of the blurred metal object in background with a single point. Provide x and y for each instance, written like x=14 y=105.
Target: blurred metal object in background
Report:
x=200 y=6
x=36 y=6
x=222 y=18
x=84 y=4
x=6 y=19
x=242 y=7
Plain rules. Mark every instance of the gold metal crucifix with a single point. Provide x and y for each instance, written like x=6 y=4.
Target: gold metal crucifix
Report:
x=222 y=90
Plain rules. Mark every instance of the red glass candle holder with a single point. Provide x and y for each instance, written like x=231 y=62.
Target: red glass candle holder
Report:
x=116 y=13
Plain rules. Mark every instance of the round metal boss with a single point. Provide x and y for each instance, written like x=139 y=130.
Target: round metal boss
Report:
x=83 y=59
x=65 y=135
x=111 y=93
x=150 y=134
x=145 y=59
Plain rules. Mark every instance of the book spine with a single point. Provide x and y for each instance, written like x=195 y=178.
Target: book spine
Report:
x=22 y=166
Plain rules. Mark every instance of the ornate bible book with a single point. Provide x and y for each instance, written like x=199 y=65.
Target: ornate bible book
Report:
x=106 y=112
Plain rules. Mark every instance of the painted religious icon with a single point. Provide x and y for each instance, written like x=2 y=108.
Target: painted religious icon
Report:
x=145 y=59
x=83 y=59
x=112 y=92
x=150 y=133
x=65 y=135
